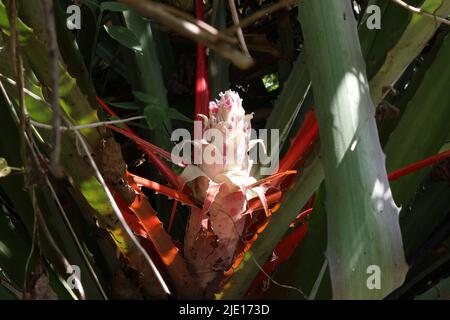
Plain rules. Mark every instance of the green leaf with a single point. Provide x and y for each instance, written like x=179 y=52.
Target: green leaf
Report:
x=414 y=38
x=149 y=76
x=174 y=114
x=125 y=105
x=113 y=6
x=146 y=98
x=25 y=32
x=363 y=227
x=125 y=37
x=155 y=116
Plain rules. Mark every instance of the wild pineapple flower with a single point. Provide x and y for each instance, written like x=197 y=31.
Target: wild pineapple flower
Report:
x=226 y=135
x=224 y=140
x=223 y=184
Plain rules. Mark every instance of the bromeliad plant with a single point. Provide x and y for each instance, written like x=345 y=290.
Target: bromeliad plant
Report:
x=222 y=186
x=241 y=227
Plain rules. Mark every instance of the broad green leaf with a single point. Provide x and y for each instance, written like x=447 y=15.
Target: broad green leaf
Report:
x=155 y=113
x=150 y=78
x=155 y=116
x=363 y=221
x=174 y=114
x=125 y=105
x=146 y=98
x=125 y=37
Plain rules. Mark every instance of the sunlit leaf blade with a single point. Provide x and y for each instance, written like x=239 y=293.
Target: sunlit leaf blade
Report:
x=363 y=227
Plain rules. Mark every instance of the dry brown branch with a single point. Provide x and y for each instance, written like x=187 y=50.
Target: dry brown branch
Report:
x=160 y=14
x=421 y=12
x=202 y=24
x=240 y=34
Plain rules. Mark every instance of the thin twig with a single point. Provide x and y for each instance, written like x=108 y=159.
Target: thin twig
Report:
x=55 y=166
x=239 y=33
x=85 y=126
x=259 y=14
x=116 y=209
x=13 y=45
x=19 y=73
x=28 y=92
x=275 y=282
x=193 y=31
x=202 y=24
x=421 y=12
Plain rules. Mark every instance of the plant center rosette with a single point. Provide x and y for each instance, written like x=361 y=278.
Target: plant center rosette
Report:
x=222 y=182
